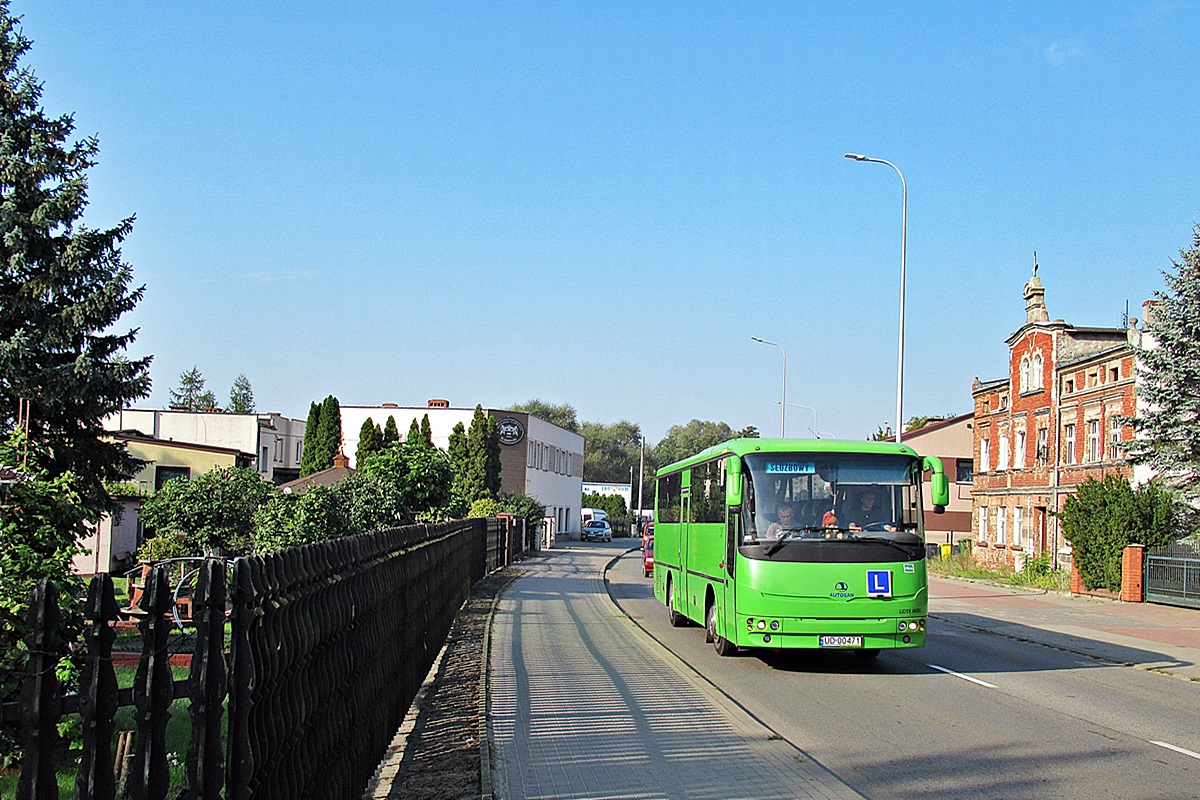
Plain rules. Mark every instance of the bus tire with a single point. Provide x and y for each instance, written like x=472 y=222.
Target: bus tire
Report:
x=677 y=620
x=723 y=646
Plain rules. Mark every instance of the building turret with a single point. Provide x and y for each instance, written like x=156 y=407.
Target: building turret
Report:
x=1035 y=298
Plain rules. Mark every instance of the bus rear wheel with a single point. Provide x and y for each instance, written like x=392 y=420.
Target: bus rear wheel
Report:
x=723 y=646
x=677 y=620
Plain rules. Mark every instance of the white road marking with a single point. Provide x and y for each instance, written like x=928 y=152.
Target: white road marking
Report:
x=1177 y=749
x=964 y=677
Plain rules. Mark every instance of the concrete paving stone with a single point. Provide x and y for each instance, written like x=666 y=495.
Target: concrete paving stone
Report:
x=583 y=704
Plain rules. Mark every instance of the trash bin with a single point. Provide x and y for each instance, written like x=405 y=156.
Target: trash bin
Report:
x=946 y=548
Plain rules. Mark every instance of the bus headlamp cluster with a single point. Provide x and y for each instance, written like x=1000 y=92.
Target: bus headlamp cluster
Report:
x=753 y=624
x=912 y=625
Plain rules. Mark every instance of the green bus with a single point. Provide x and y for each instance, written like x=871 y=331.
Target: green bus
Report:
x=776 y=543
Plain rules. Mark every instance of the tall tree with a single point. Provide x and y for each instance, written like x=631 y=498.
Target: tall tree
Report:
x=1168 y=379
x=564 y=415
x=190 y=395
x=482 y=475
x=370 y=440
x=63 y=289
x=456 y=449
x=682 y=441
x=610 y=450
x=329 y=434
x=414 y=432
x=391 y=434
x=311 y=433
x=241 y=396
x=426 y=431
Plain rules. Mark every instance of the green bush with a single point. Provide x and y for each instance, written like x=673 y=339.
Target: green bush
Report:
x=485 y=507
x=1105 y=516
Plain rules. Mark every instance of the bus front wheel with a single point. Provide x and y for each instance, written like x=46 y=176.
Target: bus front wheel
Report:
x=723 y=646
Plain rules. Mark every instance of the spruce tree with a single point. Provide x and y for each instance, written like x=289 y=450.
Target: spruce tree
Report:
x=63 y=289
x=414 y=432
x=1169 y=383
x=241 y=396
x=391 y=434
x=426 y=432
x=370 y=440
x=312 y=434
x=191 y=395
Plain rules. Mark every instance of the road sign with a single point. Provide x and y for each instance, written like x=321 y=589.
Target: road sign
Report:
x=879 y=583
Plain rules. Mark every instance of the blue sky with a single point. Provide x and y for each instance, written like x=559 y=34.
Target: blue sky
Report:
x=600 y=203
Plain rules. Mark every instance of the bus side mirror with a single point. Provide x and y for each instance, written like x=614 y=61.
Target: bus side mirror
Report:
x=939 y=484
x=733 y=481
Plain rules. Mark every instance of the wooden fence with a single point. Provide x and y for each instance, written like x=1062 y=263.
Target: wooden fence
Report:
x=328 y=644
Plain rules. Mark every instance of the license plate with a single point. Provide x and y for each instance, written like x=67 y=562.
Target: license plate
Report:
x=841 y=641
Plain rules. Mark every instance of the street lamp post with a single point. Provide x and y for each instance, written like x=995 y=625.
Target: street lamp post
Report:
x=810 y=408
x=783 y=402
x=903 y=254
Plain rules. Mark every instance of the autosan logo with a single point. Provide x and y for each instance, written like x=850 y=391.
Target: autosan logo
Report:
x=511 y=431
x=841 y=590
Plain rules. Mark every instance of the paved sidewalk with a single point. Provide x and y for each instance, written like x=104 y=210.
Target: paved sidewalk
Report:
x=1146 y=635
x=583 y=704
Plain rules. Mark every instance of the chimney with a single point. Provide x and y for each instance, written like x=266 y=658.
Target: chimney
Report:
x=439 y=403
x=390 y=405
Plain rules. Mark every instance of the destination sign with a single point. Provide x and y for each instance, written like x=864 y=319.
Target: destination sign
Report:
x=790 y=468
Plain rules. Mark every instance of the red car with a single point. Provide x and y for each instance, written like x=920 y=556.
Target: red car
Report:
x=648 y=556
x=647 y=532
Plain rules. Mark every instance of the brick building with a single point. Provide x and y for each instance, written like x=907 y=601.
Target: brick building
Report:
x=1047 y=426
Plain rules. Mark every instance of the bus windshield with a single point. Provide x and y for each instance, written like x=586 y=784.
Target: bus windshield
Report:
x=832 y=498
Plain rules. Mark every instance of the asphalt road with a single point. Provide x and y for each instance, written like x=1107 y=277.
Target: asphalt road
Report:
x=970 y=715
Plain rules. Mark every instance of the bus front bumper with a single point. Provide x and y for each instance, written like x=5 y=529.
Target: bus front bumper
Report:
x=831 y=634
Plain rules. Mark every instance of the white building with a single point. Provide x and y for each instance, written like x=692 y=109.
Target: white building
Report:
x=536 y=457
x=275 y=440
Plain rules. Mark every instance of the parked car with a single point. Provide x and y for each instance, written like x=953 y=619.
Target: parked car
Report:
x=648 y=556
x=597 y=530
x=647 y=533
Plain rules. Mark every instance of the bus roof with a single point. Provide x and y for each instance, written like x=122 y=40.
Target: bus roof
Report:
x=741 y=447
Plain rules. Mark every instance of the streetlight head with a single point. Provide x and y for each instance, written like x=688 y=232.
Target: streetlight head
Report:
x=755 y=339
x=856 y=156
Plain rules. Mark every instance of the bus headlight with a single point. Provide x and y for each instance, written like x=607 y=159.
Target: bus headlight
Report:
x=761 y=624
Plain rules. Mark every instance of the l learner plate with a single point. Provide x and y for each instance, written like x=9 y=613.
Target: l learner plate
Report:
x=841 y=641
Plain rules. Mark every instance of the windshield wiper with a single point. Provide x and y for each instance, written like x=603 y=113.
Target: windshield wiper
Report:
x=774 y=546
x=907 y=550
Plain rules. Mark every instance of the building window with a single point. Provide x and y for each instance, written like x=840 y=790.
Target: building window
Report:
x=983 y=514
x=1069 y=386
x=1114 y=373
x=530 y=453
x=299 y=448
x=1093 y=379
x=1093 y=440
x=1114 y=438
x=1026 y=379
x=279 y=449
x=1003 y=401
x=984 y=455
x=1041 y=451
x=1019 y=451
x=1001 y=525
x=1018 y=525
x=164 y=474
x=1037 y=371
x=1068 y=455
x=1003 y=461
x=264 y=458
x=962 y=470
